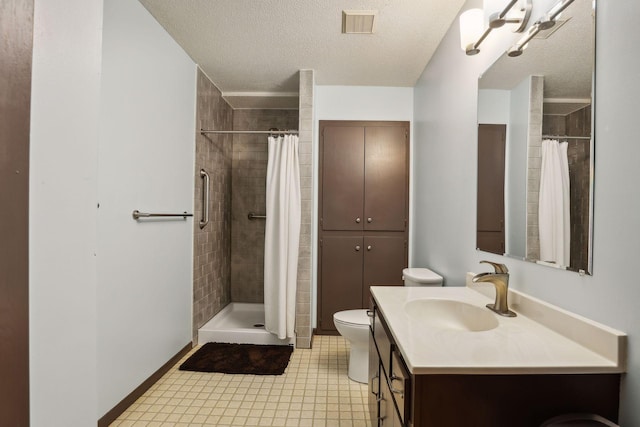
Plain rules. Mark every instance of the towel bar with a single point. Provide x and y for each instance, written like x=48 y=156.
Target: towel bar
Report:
x=253 y=216
x=205 y=198
x=137 y=215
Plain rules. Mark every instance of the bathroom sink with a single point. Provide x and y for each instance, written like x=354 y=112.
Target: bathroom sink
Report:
x=450 y=314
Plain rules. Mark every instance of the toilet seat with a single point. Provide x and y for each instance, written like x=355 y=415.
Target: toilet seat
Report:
x=353 y=318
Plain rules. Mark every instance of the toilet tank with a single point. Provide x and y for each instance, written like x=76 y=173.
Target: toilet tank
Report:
x=421 y=277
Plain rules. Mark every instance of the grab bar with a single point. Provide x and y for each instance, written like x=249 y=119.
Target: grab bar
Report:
x=253 y=216
x=205 y=198
x=137 y=215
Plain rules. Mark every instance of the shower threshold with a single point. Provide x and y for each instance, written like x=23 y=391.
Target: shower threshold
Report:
x=239 y=323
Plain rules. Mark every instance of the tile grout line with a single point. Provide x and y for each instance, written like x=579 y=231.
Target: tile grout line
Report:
x=313 y=391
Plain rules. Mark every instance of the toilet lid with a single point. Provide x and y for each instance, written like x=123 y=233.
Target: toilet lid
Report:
x=421 y=275
x=352 y=317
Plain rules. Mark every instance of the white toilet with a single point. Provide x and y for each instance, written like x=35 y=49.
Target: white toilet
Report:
x=354 y=324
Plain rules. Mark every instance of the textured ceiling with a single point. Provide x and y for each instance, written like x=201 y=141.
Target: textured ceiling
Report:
x=565 y=58
x=259 y=46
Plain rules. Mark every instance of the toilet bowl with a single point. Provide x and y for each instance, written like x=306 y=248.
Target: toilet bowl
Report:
x=353 y=325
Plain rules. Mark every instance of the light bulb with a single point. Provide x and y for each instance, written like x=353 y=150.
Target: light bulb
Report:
x=471 y=28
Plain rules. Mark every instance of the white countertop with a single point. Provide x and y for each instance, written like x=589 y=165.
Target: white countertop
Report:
x=555 y=342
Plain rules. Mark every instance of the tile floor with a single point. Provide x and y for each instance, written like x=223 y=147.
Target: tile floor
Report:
x=314 y=391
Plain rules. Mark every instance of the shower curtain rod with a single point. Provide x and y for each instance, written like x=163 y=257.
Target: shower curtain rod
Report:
x=565 y=137
x=267 y=132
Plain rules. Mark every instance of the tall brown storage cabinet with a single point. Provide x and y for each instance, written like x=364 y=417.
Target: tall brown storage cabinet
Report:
x=363 y=213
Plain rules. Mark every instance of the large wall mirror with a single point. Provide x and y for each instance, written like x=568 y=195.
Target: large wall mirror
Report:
x=535 y=147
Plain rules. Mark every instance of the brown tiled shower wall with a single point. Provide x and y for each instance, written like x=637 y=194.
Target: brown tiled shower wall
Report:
x=212 y=245
x=248 y=191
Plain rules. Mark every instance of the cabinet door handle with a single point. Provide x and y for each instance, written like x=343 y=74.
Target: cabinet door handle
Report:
x=369 y=247
x=400 y=392
x=373 y=388
x=358 y=220
x=369 y=220
x=357 y=248
x=395 y=390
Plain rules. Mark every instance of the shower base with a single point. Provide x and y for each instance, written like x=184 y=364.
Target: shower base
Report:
x=239 y=323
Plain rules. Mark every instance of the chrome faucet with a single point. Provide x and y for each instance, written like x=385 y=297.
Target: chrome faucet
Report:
x=499 y=279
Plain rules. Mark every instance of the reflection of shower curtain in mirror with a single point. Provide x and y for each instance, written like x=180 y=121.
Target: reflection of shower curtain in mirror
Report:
x=553 y=209
x=282 y=236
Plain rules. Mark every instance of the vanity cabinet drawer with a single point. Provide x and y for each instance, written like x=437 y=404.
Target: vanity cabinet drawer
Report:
x=383 y=341
x=400 y=385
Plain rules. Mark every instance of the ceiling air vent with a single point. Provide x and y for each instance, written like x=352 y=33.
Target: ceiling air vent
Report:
x=358 y=21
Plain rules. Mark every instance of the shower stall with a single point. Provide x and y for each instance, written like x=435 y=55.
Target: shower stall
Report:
x=228 y=288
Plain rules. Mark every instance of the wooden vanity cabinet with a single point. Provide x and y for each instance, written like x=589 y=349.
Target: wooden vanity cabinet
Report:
x=390 y=382
x=455 y=400
x=389 y=416
x=374 y=381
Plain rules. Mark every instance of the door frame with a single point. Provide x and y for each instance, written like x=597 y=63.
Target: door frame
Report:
x=490 y=191
x=16 y=20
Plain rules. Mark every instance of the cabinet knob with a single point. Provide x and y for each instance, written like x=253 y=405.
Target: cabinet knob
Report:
x=369 y=247
x=369 y=220
x=358 y=220
x=357 y=248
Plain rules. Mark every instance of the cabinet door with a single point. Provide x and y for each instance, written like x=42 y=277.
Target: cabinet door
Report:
x=388 y=416
x=374 y=381
x=342 y=154
x=384 y=259
x=386 y=178
x=341 y=277
x=400 y=385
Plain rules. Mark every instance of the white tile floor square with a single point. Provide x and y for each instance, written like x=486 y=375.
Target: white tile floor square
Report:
x=313 y=391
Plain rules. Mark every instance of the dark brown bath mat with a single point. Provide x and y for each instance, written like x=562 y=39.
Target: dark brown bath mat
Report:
x=239 y=359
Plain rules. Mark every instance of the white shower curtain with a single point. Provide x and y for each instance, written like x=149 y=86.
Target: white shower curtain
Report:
x=282 y=235
x=553 y=209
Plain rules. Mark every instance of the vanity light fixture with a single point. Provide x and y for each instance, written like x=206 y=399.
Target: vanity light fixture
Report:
x=471 y=27
x=547 y=21
x=473 y=21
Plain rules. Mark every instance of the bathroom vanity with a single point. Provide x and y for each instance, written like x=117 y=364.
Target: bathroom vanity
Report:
x=439 y=358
